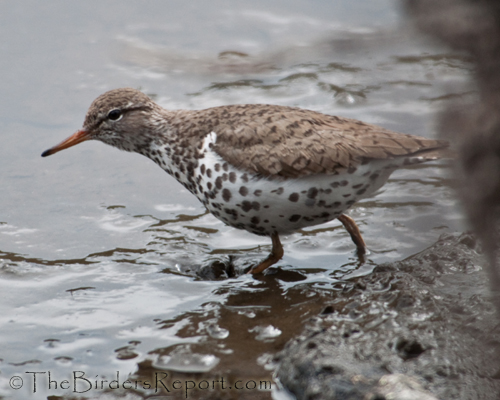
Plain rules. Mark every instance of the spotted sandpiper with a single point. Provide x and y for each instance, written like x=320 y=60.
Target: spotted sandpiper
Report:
x=267 y=169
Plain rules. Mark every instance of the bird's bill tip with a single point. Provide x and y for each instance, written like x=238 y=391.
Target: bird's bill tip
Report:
x=73 y=140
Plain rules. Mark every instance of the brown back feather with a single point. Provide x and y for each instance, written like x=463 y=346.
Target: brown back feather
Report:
x=292 y=142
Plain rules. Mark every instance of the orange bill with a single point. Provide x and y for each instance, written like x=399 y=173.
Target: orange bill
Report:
x=78 y=137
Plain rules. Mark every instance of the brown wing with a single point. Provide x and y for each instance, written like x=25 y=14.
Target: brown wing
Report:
x=292 y=142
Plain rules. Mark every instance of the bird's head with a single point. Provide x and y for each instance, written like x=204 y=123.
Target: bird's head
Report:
x=124 y=118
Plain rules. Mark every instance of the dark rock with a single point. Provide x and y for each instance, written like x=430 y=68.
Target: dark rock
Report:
x=422 y=328
x=217 y=270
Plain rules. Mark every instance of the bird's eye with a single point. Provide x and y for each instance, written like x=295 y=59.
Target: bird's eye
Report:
x=115 y=115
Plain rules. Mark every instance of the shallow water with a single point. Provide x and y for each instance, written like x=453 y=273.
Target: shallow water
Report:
x=100 y=250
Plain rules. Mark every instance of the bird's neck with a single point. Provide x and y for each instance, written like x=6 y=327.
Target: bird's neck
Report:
x=172 y=148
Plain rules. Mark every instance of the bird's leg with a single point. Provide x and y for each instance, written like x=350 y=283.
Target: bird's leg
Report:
x=353 y=230
x=275 y=255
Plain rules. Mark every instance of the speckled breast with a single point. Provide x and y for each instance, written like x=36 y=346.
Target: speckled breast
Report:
x=263 y=206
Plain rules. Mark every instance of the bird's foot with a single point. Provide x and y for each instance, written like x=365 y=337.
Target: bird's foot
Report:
x=355 y=233
x=275 y=255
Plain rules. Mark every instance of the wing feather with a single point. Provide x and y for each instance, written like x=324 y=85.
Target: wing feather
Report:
x=292 y=142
